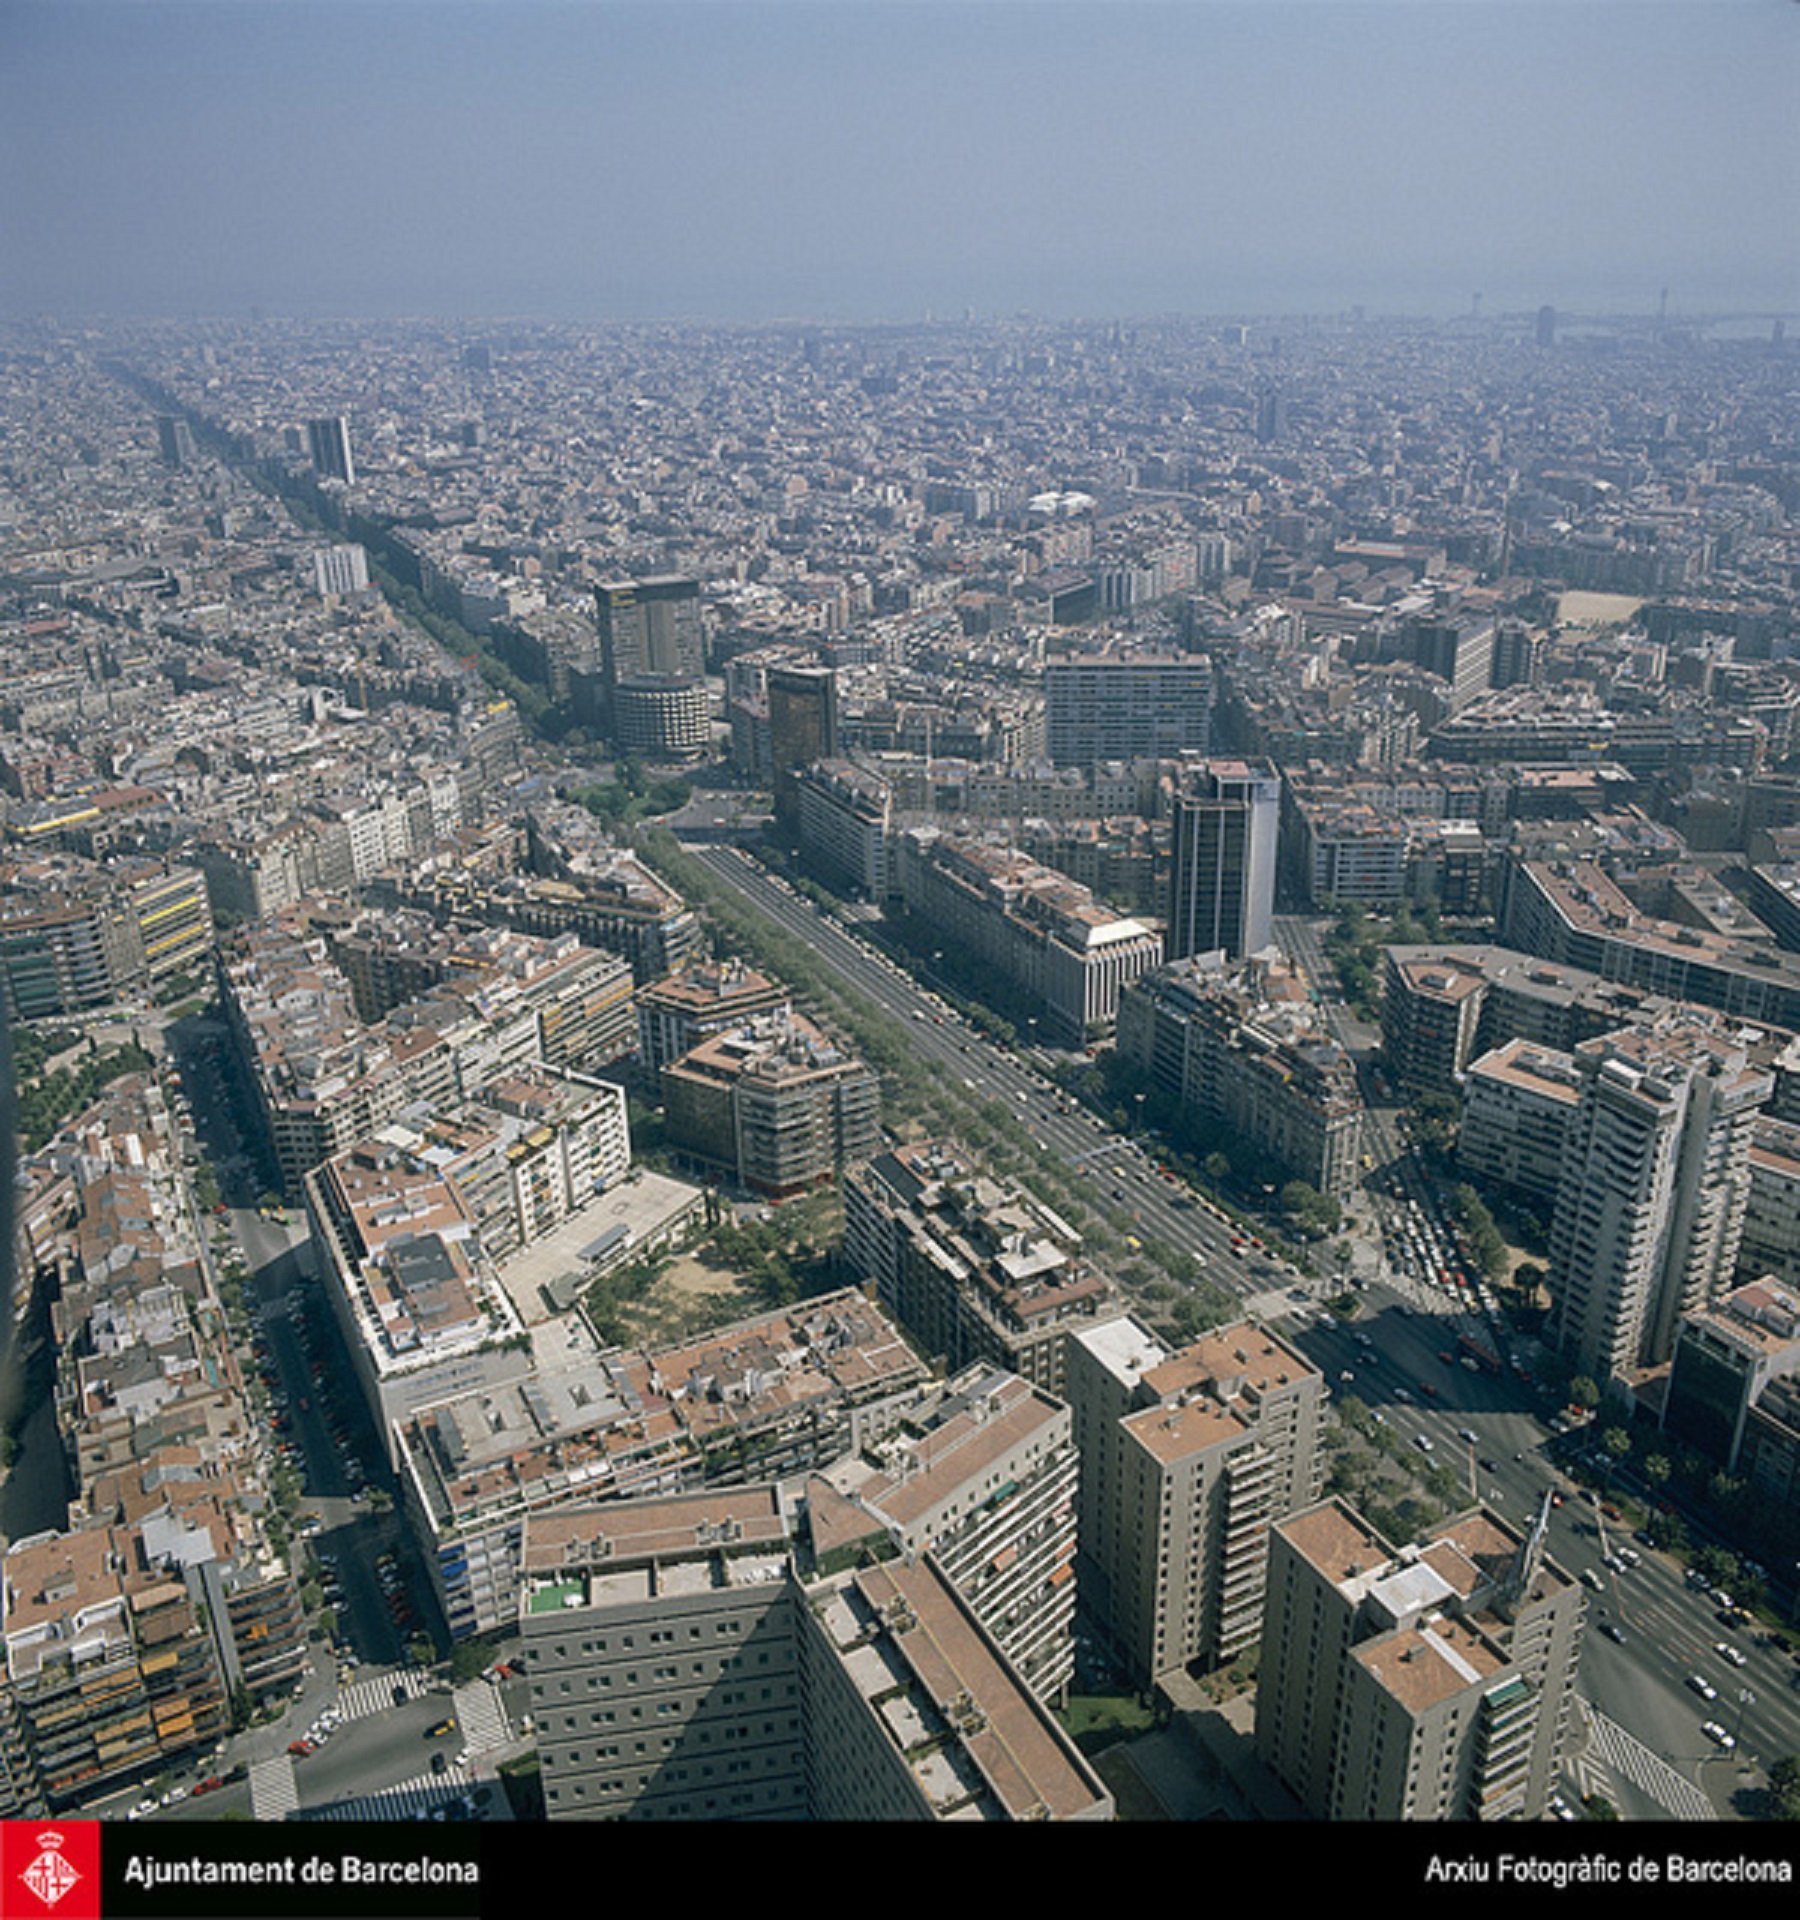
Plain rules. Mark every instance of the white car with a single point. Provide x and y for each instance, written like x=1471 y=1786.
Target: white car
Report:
x=1703 y=1686
x=1726 y=1651
x=1717 y=1735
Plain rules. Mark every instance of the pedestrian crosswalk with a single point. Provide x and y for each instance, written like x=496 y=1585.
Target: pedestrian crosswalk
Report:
x=361 y=1698
x=273 y=1792
x=1614 y=1748
x=407 y=1800
x=481 y=1715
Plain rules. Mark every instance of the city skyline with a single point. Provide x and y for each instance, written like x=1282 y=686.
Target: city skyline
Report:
x=882 y=161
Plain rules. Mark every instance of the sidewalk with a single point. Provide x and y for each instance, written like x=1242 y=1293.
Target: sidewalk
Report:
x=1204 y=1766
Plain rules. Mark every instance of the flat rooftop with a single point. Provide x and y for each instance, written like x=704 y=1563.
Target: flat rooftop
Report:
x=569 y=1548
x=1341 y=1547
x=643 y=1207
x=1023 y=1763
x=1425 y=1665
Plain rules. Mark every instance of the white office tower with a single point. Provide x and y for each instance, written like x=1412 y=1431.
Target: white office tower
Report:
x=340 y=570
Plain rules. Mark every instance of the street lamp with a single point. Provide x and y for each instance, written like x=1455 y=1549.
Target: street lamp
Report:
x=1745 y=1699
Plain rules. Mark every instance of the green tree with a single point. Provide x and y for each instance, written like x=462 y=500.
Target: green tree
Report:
x=1784 y=1787
x=1716 y=1564
x=1584 y=1393
x=1667 y=1532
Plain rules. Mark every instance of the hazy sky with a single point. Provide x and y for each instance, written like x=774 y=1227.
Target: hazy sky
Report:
x=863 y=159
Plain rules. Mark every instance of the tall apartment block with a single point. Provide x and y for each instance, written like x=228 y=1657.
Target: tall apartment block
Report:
x=1458 y=649
x=1435 y=1682
x=1187 y=1459
x=983 y=1474
x=649 y=627
x=1110 y=707
x=688 y=1662
x=1651 y=1202
x=845 y=818
x=328 y=447
x=1517 y=1103
x=1734 y=1389
x=1222 y=891
x=110 y=1667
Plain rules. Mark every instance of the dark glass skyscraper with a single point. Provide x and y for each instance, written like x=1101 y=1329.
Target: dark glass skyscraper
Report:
x=328 y=445
x=803 y=727
x=1222 y=892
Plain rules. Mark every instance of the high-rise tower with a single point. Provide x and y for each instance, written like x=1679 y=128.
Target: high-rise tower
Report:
x=175 y=440
x=1650 y=1207
x=1432 y=1683
x=803 y=727
x=1222 y=890
x=328 y=445
x=650 y=627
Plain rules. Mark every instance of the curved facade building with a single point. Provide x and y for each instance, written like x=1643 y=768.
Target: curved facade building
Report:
x=665 y=716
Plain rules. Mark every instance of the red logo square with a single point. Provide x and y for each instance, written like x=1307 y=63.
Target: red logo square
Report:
x=50 y=1867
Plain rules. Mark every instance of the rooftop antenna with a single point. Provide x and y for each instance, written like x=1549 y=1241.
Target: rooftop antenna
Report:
x=1531 y=1555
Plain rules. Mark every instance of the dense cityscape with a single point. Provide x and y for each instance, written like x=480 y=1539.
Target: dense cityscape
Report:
x=971 y=1071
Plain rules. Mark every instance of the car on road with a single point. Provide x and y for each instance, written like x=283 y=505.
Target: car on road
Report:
x=1702 y=1686
x=1466 y=1433
x=1717 y=1735
x=1613 y=1631
x=1726 y=1651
